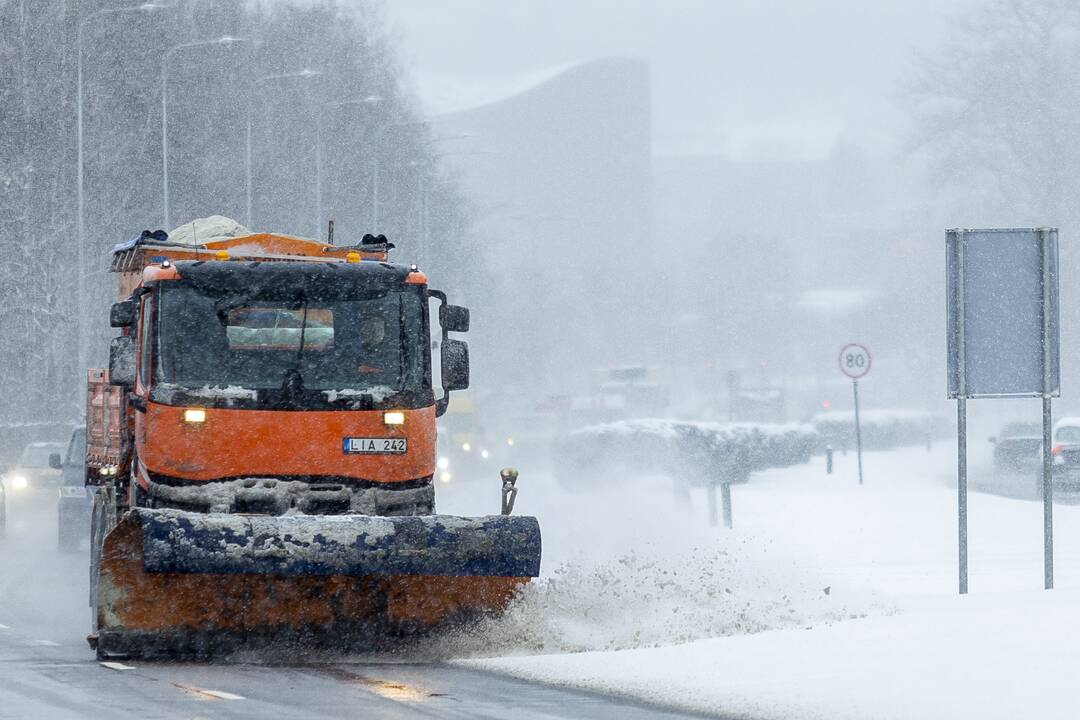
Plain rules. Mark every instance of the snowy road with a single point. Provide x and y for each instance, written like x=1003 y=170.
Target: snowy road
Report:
x=48 y=671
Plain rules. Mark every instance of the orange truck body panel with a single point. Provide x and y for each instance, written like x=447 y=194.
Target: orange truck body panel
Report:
x=104 y=420
x=267 y=443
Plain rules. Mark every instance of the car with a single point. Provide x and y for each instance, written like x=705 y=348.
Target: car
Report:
x=1018 y=448
x=33 y=472
x=1065 y=451
x=75 y=502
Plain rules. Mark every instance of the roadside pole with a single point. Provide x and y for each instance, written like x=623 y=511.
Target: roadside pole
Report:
x=725 y=499
x=858 y=427
x=855 y=361
x=1048 y=340
x=710 y=493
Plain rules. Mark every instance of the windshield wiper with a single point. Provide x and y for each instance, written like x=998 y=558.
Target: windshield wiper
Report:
x=293 y=382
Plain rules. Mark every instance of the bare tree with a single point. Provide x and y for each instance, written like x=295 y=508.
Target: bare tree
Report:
x=995 y=108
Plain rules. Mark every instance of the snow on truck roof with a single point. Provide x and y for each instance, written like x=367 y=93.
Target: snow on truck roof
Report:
x=207 y=229
x=221 y=238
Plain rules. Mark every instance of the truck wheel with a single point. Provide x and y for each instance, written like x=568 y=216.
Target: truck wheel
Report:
x=137 y=497
x=101 y=522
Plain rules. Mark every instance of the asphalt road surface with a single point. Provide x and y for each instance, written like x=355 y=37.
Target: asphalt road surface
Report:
x=48 y=671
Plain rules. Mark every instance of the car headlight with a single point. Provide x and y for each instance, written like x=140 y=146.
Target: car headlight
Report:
x=18 y=482
x=445 y=476
x=443 y=463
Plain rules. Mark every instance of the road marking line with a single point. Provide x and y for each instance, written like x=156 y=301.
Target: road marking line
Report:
x=388 y=689
x=116 y=666
x=4 y=627
x=46 y=643
x=209 y=694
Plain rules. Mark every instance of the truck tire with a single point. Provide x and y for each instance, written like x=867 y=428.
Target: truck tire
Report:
x=102 y=521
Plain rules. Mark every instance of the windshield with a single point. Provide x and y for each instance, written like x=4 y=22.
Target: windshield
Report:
x=1068 y=434
x=37 y=455
x=370 y=343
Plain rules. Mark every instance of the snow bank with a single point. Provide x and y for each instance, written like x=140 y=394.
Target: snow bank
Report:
x=887 y=549
x=699 y=452
x=989 y=657
x=881 y=429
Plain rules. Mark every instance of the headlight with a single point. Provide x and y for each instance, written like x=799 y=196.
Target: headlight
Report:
x=466 y=447
x=445 y=476
x=485 y=454
x=195 y=415
x=18 y=482
x=443 y=463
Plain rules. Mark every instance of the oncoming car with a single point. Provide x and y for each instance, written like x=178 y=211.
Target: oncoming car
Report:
x=33 y=470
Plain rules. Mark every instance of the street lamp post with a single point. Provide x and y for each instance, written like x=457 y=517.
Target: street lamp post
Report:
x=80 y=222
x=369 y=101
x=424 y=194
x=375 y=153
x=225 y=41
x=305 y=73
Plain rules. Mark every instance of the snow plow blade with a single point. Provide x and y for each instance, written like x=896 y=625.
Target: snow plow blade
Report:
x=180 y=584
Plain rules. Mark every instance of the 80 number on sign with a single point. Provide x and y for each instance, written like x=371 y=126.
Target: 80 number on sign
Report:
x=854 y=361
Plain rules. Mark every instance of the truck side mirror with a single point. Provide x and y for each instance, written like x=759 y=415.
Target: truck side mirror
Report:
x=454 y=318
x=55 y=462
x=455 y=365
x=122 y=314
x=122 y=361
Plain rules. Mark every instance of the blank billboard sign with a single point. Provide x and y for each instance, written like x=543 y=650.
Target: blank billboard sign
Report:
x=1002 y=312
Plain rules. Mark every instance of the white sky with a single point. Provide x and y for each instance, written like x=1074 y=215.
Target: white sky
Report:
x=764 y=78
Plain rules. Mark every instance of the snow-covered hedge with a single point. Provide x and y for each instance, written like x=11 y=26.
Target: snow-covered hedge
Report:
x=881 y=429
x=697 y=452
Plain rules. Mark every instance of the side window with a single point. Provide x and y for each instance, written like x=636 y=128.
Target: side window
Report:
x=145 y=334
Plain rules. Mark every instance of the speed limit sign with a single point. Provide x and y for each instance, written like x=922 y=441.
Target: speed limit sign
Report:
x=854 y=361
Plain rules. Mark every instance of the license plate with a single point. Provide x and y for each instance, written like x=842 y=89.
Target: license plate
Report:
x=375 y=446
x=72 y=491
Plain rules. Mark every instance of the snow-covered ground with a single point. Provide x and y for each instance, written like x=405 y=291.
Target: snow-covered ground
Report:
x=827 y=600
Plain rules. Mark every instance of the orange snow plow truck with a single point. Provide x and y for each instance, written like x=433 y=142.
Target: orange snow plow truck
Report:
x=262 y=448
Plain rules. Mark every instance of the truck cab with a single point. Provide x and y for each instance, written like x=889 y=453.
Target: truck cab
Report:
x=291 y=385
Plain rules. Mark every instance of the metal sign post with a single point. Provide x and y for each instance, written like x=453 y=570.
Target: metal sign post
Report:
x=1049 y=360
x=1002 y=337
x=855 y=362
